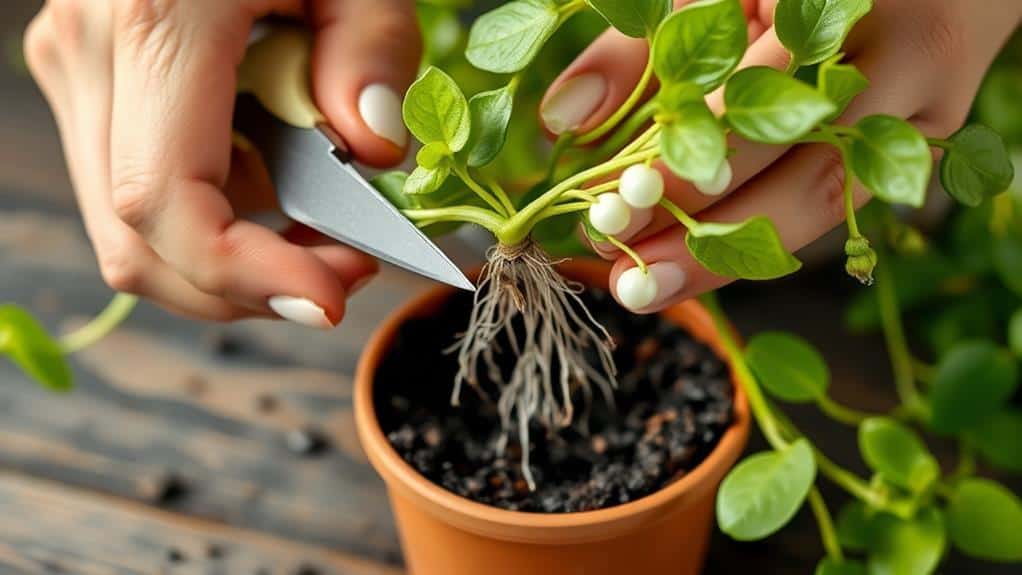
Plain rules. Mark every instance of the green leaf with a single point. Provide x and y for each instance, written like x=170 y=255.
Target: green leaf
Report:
x=1015 y=333
x=997 y=102
x=435 y=110
x=906 y=547
x=432 y=155
x=392 y=186
x=977 y=165
x=788 y=366
x=892 y=159
x=853 y=525
x=814 y=30
x=896 y=453
x=592 y=233
x=829 y=566
x=984 y=520
x=702 y=43
x=1007 y=257
x=506 y=39
x=999 y=440
x=427 y=180
x=25 y=341
x=749 y=250
x=635 y=18
x=763 y=492
x=692 y=142
x=973 y=382
x=765 y=105
x=491 y=113
x=840 y=83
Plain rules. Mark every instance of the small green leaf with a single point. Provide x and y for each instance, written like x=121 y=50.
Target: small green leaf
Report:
x=635 y=18
x=984 y=520
x=853 y=525
x=1007 y=258
x=432 y=155
x=788 y=366
x=693 y=142
x=392 y=186
x=906 y=547
x=977 y=165
x=491 y=113
x=749 y=250
x=506 y=39
x=1015 y=333
x=973 y=382
x=25 y=341
x=435 y=110
x=814 y=30
x=892 y=159
x=897 y=454
x=765 y=105
x=829 y=566
x=702 y=43
x=840 y=83
x=427 y=180
x=998 y=439
x=763 y=492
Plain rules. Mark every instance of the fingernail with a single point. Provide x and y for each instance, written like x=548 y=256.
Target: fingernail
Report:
x=359 y=284
x=380 y=107
x=572 y=103
x=719 y=184
x=300 y=310
x=641 y=217
x=670 y=278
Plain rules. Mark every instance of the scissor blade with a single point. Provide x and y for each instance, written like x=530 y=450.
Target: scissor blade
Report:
x=319 y=189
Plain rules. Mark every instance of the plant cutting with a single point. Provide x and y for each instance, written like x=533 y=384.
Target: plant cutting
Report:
x=532 y=340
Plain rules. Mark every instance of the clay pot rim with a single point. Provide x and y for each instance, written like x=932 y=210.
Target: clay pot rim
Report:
x=534 y=526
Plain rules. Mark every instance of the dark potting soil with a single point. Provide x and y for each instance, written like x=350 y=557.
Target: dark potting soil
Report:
x=672 y=404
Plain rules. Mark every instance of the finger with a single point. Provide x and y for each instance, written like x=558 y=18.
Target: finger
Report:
x=354 y=268
x=366 y=55
x=170 y=158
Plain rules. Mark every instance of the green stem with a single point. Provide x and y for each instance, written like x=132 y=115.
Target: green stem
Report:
x=499 y=192
x=643 y=139
x=849 y=191
x=827 y=532
x=894 y=334
x=847 y=131
x=679 y=214
x=757 y=401
x=515 y=229
x=940 y=143
x=924 y=372
x=116 y=311
x=966 y=462
x=480 y=191
x=561 y=145
x=619 y=139
x=792 y=67
x=591 y=192
x=622 y=111
x=840 y=413
x=480 y=216
x=561 y=209
x=630 y=252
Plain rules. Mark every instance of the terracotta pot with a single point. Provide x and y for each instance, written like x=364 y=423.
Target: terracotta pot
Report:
x=444 y=534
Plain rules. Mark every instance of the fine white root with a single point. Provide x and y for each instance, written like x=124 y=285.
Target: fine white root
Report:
x=524 y=303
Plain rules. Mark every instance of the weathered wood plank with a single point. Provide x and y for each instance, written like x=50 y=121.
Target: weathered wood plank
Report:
x=51 y=528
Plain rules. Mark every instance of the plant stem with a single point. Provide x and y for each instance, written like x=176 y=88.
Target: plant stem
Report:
x=591 y=192
x=840 y=413
x=827 y=532
x=966 y=462
x=499 y=192
x=940 y=143
x=480 y=191
x=622 y=111
x=629 y=252
x=894 y=334
x=118 y=309
x=641 y=141
x=679 y=214
x=561 y=209
x=619 y=139
x=471 y=214
x=515 y=229
x=564 y=141
x=849 y=191
x=757 y=401
x=792 y=67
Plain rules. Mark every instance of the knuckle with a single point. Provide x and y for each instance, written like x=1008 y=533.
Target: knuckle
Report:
x=135 y=200
x=121 y=268
x=829 y=185
x=938 y=35
x=210 y=273
x=38 y=45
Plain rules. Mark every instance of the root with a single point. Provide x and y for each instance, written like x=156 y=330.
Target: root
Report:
x=523 y=303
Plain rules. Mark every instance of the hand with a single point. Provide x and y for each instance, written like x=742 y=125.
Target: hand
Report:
x=924 y=59
x=143 y=94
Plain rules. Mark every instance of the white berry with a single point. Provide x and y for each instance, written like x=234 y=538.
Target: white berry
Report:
x=636 y=289
x=610 y=214
x=641 y=186
x=720 y=182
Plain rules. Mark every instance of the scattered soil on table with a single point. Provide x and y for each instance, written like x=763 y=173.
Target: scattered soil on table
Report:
x=672 y=404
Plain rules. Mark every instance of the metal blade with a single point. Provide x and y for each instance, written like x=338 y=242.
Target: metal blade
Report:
x=318 y=187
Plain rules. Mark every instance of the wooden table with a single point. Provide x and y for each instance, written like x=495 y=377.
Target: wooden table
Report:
x=172 y=454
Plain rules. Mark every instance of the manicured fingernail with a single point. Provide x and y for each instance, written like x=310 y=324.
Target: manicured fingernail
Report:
x=380 y=107
x=670 y=279
x=572 y=103
x=300 y=310
x=641 y=217
x=720 y=182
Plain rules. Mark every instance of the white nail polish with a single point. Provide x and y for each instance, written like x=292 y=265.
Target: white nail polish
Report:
x=380 y=108
x=576 y=99
x=720 y=182
x=300 y=310
x=641 y=217
x=670 y=279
